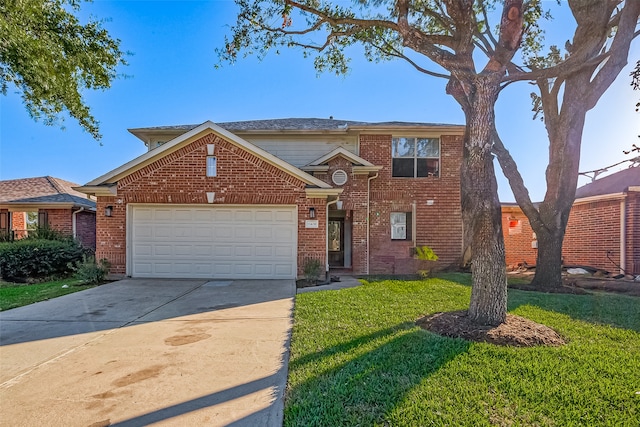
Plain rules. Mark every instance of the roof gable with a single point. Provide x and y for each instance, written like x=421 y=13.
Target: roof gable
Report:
x=341 y=152
x=190 y=136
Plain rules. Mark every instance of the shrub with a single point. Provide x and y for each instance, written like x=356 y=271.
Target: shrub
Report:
x=427 y=256
x=89 y=271
x=46 y=233
x=311 y=269
x=31 y=258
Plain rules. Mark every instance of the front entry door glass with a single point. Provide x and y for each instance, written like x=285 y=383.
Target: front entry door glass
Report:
x=336 y=242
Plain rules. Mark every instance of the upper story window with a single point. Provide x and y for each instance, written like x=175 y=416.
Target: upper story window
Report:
x=415 y=157
x=211 y=166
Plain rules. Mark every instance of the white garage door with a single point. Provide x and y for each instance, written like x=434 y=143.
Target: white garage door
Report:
x=253 y=242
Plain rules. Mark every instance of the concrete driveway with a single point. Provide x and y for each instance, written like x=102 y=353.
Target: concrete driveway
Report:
x=138 y=352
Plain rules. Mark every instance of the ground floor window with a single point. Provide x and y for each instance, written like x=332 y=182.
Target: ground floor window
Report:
x=400 y=225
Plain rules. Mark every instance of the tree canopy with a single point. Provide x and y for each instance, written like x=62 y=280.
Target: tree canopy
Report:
x=50 y=58
x=472 y=44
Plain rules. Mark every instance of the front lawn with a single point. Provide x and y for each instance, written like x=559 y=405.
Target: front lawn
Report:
x=14 y=295
x=357 y=359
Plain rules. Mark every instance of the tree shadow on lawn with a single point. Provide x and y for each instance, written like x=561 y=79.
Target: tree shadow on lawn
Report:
x=619 y=311
x=366 y=377
x=598 y=308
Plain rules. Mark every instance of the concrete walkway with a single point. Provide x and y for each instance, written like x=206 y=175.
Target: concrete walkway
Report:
x=345 y=282
x=139 y=352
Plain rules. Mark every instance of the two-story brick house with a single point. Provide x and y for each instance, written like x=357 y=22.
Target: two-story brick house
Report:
x=257 y=199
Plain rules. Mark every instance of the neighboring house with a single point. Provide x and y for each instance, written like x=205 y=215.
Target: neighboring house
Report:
x=258 y=199
x=29 y=203
x=603 y=229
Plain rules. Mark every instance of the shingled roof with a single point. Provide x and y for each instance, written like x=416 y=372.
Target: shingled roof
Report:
x=618 y=182
x=45 y=190
x=298 y=124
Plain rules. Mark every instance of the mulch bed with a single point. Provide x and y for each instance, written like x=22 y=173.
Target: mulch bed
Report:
x=515 y=331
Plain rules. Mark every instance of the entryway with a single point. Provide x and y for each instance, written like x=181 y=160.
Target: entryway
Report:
x=339 y=236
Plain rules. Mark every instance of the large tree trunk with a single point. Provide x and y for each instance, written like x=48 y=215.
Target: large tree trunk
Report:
x=481 y=209
x=580 y=91
x=549 y=260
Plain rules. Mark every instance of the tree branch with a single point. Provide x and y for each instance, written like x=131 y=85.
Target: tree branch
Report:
x=510 y=170
x=391 y=51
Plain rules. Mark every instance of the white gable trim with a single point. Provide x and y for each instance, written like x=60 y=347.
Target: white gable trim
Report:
x=194 y=134
x=340 y=151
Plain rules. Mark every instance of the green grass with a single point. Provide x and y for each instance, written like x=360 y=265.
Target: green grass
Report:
x=357 y=359
x=14 y=295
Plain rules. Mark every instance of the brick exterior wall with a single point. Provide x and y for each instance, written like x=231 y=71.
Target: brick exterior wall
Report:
x=518 y=237
x=633 y=232
x=180 y=178
x=593 y=231
x=19 y=224
x=354 y=199
x=60 y=220
x=438 y=214
x=86 y=229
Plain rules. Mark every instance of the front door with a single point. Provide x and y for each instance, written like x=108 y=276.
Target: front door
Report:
x=336 y=242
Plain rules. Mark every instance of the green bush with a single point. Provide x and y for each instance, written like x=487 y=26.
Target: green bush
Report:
x=46 y=233
x=311 y=269
x=34 y=259
x=89 y=271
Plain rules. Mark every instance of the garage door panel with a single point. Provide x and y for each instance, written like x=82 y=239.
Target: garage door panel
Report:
x=203 y=215
x=285 y=216
x=284 y=270
x=264 y=233
x=163 y=268
x=283 y=251
x=162 y=231
x=264 y=216
x=160 y=250
x=243 y=251
x=182 y=232
x=214 y=242
x=243 y=233
x=183 y=215
x=223 y=232
x=202 y=250
x=223 y=250
x=142 y=268
x=263 y=251
x=264 y=269
x=163 y=215
x=243 y=215
x=183 y=250
x=142 y=249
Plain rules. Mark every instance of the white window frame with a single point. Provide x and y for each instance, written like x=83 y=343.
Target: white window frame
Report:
x=415 y=155
x=398 y=221
x=212 y=166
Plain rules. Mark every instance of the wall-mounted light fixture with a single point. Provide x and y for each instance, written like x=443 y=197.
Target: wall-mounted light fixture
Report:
x=312 y=212
x=108 y=210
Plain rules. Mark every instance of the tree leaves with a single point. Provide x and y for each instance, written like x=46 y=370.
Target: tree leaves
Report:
x=50 y=58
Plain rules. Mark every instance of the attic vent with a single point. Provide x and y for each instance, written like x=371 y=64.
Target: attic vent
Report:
x=339 y=177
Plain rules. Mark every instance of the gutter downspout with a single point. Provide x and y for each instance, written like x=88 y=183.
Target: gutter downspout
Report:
x=73 y=221
x=623 y=236
x=414 y=224
x=326 y=228
x=369 y=215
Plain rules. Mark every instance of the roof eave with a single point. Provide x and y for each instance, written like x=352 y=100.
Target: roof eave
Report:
x=599 y=198
x=192 y=135
x=442 y=130
x=27 y=207
x=98 y=190
x=321 y=193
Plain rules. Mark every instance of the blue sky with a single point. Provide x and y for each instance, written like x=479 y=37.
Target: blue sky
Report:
x=172 y=80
